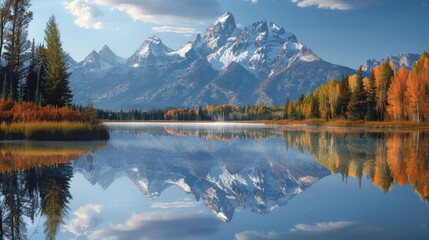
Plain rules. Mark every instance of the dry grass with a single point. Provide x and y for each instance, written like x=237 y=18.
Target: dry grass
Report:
x=53 y=131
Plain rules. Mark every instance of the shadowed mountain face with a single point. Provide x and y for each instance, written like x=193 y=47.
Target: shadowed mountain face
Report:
x=261 y=63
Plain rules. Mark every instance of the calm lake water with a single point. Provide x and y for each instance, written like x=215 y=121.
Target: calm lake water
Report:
x=218 y=181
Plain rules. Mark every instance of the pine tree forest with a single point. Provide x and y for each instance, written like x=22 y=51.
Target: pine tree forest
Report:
x=31 y=72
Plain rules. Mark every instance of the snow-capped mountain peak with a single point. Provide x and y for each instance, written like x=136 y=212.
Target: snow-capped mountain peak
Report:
x=100 y=61
x=152 y=50
x=93 y=57
x=153 y=45
x=218 y=33
x=261 y=63
x=107 y=55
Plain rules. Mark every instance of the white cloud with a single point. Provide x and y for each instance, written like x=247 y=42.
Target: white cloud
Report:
x=334 y=4
x=178 y=204
x=252 y=1
x=179 y=30
x=322 y=227
x=160 y=225
x=85 y=13
x=319 y=231
x=85 y=219
x=164 y=11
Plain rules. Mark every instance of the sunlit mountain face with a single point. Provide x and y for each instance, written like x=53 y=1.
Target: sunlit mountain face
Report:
x=226 y=180
x=257 y=64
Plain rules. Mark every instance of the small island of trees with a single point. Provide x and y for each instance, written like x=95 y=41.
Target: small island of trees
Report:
x=35 y=96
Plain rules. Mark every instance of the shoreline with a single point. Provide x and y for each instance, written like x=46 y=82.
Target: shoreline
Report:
x=387 y=125
x=54 y=131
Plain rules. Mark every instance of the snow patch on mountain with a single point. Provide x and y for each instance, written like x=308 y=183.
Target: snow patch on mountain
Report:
x=259 y=64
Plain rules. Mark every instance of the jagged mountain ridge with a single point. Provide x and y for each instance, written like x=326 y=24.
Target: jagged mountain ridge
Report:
x=404 y=60
x=259 y=64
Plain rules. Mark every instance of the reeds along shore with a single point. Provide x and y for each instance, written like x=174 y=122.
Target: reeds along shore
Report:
x=53 y=131
x=26 y=121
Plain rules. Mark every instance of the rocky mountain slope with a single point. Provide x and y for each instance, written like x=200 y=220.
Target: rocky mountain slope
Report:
x=257 y=64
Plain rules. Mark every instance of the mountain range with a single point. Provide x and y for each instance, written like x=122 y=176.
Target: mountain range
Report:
x=258 y=64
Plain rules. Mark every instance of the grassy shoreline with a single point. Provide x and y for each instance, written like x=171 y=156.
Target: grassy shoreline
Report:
x=54 y=131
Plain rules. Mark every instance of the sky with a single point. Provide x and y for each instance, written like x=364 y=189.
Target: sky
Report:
x=345 y=32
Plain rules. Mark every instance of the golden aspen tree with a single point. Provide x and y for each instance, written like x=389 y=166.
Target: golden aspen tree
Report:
x=396 y=95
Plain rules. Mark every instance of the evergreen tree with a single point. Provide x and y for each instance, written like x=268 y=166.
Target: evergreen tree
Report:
x=55 y=61
x=5 y=12
x=29 y=89
x=371 y=113
x=285 y=111
x=55 y=197
x=200 y=114
x=343 y=98
x=17 y=45
x=4 y=88
x=357 y=105
x=311 y=107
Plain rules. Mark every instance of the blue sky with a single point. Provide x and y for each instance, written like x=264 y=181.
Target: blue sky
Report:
x=346 y=32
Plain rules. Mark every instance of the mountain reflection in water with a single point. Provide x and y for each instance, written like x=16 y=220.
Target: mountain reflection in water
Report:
x=226 y=167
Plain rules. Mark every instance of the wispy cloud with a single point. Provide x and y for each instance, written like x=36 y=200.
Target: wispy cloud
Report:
x=179 y=30
x=85 y=13
x=252 y=1
x=334 y=4
x=164 y=11
x=322 y=227
x=319 y=231
x=160 y=225
x=178 y=204
x=85 y=219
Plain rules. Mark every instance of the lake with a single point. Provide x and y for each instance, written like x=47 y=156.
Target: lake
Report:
x=218 y=181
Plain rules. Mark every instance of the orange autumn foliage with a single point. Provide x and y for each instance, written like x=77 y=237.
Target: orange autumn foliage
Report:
x=29 y=112
x=396 y=95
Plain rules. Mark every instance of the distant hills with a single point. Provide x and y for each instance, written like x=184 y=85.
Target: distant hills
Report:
x=258 y=64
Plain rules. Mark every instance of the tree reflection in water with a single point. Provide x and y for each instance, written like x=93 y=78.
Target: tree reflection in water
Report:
x=35 y=178
x=384 y=157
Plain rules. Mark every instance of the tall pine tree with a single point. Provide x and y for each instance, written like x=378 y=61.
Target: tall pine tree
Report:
x=17 y=44
x=55 y=61
x=357 y=105
x=343 y=98
x=371 y=113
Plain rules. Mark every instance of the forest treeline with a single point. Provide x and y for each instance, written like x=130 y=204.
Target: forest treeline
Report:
x=388 y=94
x=224 y=112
